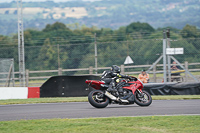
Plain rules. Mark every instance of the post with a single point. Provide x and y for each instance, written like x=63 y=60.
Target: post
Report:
x=168 y=57
x=127 y=46
x=154 y=74
x=122 y=69
x=95 y=52
x=58 y=56
x=22 y=74
x=186 y=67
x=27 y=77
x=59 y=71
x=9 y=76
x=164 y=57
x=154 y=64
x=90 y=70
x=13 y=74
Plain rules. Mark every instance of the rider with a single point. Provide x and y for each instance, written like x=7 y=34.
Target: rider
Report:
x=109 y=77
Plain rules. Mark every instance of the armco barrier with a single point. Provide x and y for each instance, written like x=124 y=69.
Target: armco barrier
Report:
x=19 y=92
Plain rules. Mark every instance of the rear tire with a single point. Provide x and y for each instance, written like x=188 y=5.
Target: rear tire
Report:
x=97 y=99
x=146 y=100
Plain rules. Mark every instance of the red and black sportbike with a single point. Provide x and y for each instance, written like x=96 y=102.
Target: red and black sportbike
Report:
x=127 y=92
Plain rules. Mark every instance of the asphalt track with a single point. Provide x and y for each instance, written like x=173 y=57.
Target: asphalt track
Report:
x=85 y=110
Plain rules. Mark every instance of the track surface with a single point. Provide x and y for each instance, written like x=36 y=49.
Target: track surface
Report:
x=85 y=110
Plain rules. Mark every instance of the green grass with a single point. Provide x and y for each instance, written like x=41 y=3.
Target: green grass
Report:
x=85 y=99
x=44 y=100
x=175 y=97
x=150 y=124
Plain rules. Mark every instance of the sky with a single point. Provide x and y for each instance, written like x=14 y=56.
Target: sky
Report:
x=2 y=1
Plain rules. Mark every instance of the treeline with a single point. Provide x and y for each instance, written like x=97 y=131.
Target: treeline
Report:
x=59 y=33
x=72 y=46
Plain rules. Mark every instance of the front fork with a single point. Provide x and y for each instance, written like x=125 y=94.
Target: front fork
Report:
x=140 y=93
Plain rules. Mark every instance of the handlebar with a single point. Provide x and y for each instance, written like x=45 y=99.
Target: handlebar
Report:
x=133 y=78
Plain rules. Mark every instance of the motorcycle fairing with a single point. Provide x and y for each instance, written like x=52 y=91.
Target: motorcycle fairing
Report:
x=95 y=84
x=134 y=86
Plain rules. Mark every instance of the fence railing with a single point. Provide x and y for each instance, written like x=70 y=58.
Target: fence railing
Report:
x=156 y=75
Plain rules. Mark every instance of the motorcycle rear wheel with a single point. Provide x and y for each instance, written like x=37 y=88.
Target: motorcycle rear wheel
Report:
x=97 y=99
x=144 y=100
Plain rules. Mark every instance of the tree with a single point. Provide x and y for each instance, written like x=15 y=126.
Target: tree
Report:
x=139 y=27
x=49 y=54
x=47 y=28
x=189 y=31
x=56 y=26
x=48 y=57
x=5 y=40
x=28 y=38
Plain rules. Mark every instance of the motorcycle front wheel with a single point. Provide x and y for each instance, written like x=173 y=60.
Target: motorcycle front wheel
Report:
x=143 y=99
x=97 y=99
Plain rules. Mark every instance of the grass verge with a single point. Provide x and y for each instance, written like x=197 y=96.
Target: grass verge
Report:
x=155 y=124
x=175 y=97
x=44 y=100
x=85 y=99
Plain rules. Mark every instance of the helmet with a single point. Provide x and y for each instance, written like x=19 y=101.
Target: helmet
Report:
x=115 y=69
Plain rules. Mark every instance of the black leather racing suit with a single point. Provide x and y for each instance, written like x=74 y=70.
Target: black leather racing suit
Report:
x=109 y=78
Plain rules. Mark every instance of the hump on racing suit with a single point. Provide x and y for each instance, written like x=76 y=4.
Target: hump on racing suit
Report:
x=108 y=77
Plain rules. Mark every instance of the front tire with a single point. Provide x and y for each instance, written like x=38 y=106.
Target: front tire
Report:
x=97 y=99
x=144 y=100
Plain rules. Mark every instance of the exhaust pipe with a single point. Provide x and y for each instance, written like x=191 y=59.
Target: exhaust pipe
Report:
x=114 y=98
x=110 y=96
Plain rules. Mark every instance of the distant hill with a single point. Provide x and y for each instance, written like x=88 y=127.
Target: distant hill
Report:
x=105 y=13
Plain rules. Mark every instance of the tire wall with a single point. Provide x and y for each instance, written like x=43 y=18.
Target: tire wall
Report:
x=173 y=88
x=66 y=86
x=75 y=86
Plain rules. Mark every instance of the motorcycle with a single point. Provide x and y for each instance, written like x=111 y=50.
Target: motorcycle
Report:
x=127 y=92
